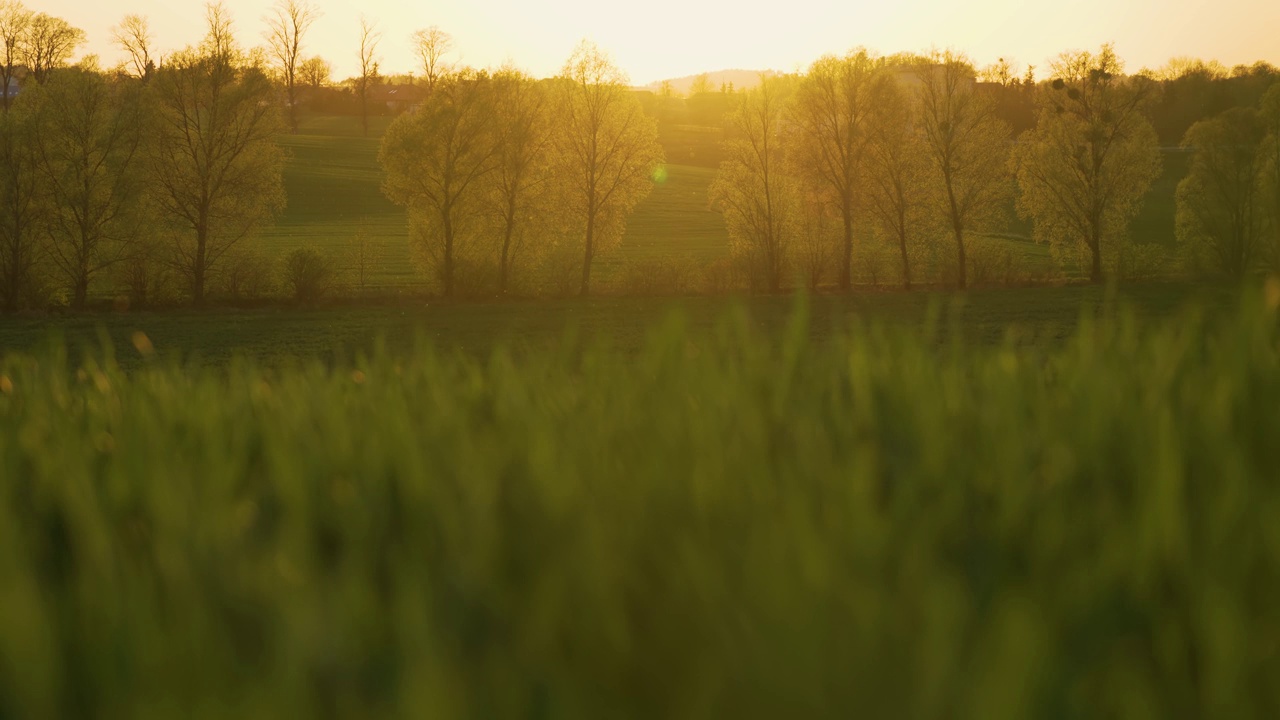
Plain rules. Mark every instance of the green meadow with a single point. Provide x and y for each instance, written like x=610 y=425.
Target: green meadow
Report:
x=720 y=517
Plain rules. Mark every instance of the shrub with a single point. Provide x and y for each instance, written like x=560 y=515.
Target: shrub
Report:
x=146 y=279
x=245 y=275
x=308 y=275
x=657 y=276
x=722 y=275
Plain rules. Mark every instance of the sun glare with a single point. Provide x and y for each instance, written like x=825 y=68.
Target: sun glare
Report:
x=666 y=38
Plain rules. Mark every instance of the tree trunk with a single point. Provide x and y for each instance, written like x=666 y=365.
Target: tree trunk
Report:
x=197 y=274
x=197 y=290
x=293 y=108
x=1095 y=272
x=962 y=270
x=364 y=108
x=775 y=263
x=81 y=292
x=505 y=260
x=448 y=256
x=590 y=251
x=906 y=262
x=846 y=267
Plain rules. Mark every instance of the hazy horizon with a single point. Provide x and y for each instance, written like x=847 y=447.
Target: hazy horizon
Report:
x=670 y=39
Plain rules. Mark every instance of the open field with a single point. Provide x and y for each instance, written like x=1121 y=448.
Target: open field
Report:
x=720 y=520
x=1030 y=315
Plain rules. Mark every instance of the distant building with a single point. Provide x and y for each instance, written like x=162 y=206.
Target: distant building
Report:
x=13 y=88
x=398 y=98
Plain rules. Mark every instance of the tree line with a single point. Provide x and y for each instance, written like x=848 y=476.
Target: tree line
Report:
x=165 y=167
x=157 y=173
x=159 y=170
x=496 y=167
x=912 y=153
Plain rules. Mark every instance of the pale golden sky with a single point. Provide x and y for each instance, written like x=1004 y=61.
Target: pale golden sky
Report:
x=668 y=38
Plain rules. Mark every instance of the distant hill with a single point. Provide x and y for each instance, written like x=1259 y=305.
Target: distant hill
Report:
x=740 y=78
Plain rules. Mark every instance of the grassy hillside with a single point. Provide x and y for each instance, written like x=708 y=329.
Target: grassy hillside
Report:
x=334 y=187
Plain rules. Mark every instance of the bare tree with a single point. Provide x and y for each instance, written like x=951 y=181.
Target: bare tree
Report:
x=369 y=39
x=967 y=146
x=434 y=160
x=431 y=45
x=286 y=29
x=133 y=35
x=14 y=21
x=87 y=145
x=214 y=164
x=50 y=43
x=219 y=44
x=1085 y=167
x=1001 y=73
x=832 y=105
x=754 y=190
x=607 y=145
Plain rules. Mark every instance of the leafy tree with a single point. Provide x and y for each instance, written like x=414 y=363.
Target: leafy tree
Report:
x=214 y=162
x=435 y=159
x=607 y=146
x=87 y=143
x=287 y=26
x=369 y=39
x=896 y=166
x=966 y=147
x=1191 y=90
x=23 y=205
x=1221 y=204
x=832 y=105
x=308 y=275
x=521 y=178
x=49 y=43
x=1086 y=166
x=15 y=18
x=754 y=189
x=133 y=35
x=1269 y=115
x=815 y=242
x=315 y=72
x=701 y=84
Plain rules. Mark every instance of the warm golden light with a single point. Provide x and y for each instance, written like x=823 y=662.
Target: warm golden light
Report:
x=671 y=38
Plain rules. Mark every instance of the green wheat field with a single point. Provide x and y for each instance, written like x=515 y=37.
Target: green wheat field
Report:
x=807 y=515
